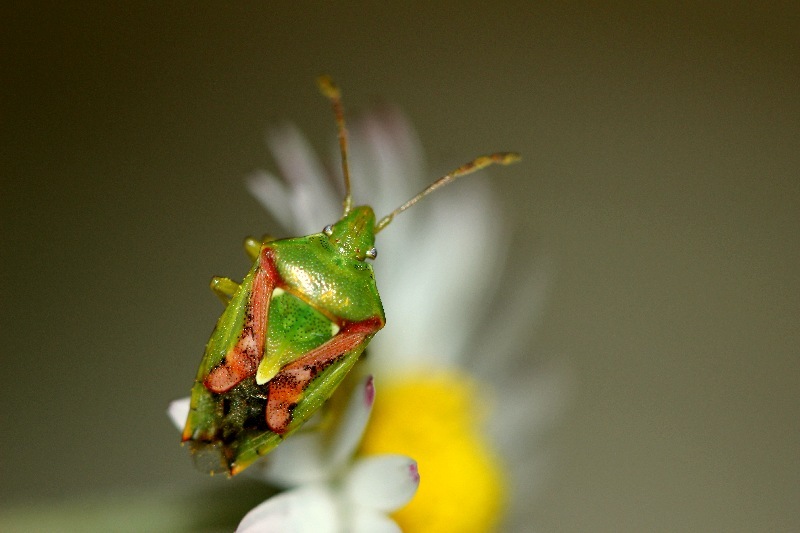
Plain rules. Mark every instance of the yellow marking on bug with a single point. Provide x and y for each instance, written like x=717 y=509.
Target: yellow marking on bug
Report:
x=334 y=329
x=267 y=369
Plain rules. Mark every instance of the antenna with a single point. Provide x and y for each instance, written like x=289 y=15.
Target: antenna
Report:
x=332 y=93
x=499 y=158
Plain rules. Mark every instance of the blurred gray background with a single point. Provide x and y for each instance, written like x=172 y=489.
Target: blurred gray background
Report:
x=660 y=176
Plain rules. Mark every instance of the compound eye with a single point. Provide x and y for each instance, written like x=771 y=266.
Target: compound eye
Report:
x=328 y=230
x=372 y=253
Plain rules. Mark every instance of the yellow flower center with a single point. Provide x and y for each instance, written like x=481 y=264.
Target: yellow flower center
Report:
x=436 y=420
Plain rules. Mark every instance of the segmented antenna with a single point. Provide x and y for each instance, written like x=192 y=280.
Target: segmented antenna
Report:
x=332 y=93
x=499 y=158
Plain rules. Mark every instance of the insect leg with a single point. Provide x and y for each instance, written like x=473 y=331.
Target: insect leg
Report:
x=287 y=387
x=225 y=288
x=252 y=246
x=242 y=360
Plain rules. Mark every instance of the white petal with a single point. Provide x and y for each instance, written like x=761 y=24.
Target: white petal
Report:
x=354 y=420
x=178 y=412
x=480 y=253
x=297 y=461
x=397 y=174
x=363 y=167
x=273 y=194
x=389 y=149
x=382 y=482
x=311 y=509
x=367 y=520
x=314 y=202
x=449 y=269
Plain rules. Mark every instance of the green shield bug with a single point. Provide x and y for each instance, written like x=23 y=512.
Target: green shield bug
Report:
x=293 y=328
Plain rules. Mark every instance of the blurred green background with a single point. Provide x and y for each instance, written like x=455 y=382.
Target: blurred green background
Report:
x=662 y=147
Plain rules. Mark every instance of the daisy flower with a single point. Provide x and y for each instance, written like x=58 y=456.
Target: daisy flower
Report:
x=457 y=390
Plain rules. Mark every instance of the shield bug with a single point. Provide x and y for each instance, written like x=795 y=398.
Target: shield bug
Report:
x=293 y=328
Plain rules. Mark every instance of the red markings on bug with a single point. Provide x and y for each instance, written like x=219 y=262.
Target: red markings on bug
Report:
x=286 y=388
x=242 y=360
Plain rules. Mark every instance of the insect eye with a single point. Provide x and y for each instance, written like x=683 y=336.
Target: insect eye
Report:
x=328 y=230
x=372 y=253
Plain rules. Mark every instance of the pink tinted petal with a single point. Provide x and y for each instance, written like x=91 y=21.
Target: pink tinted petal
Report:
x=385 y=160
x=354 y=420
x=311 y=509
x=382 y=482
x=398 y=158
x=178 y=412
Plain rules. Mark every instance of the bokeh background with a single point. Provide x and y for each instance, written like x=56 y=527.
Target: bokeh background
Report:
x=662 y=147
